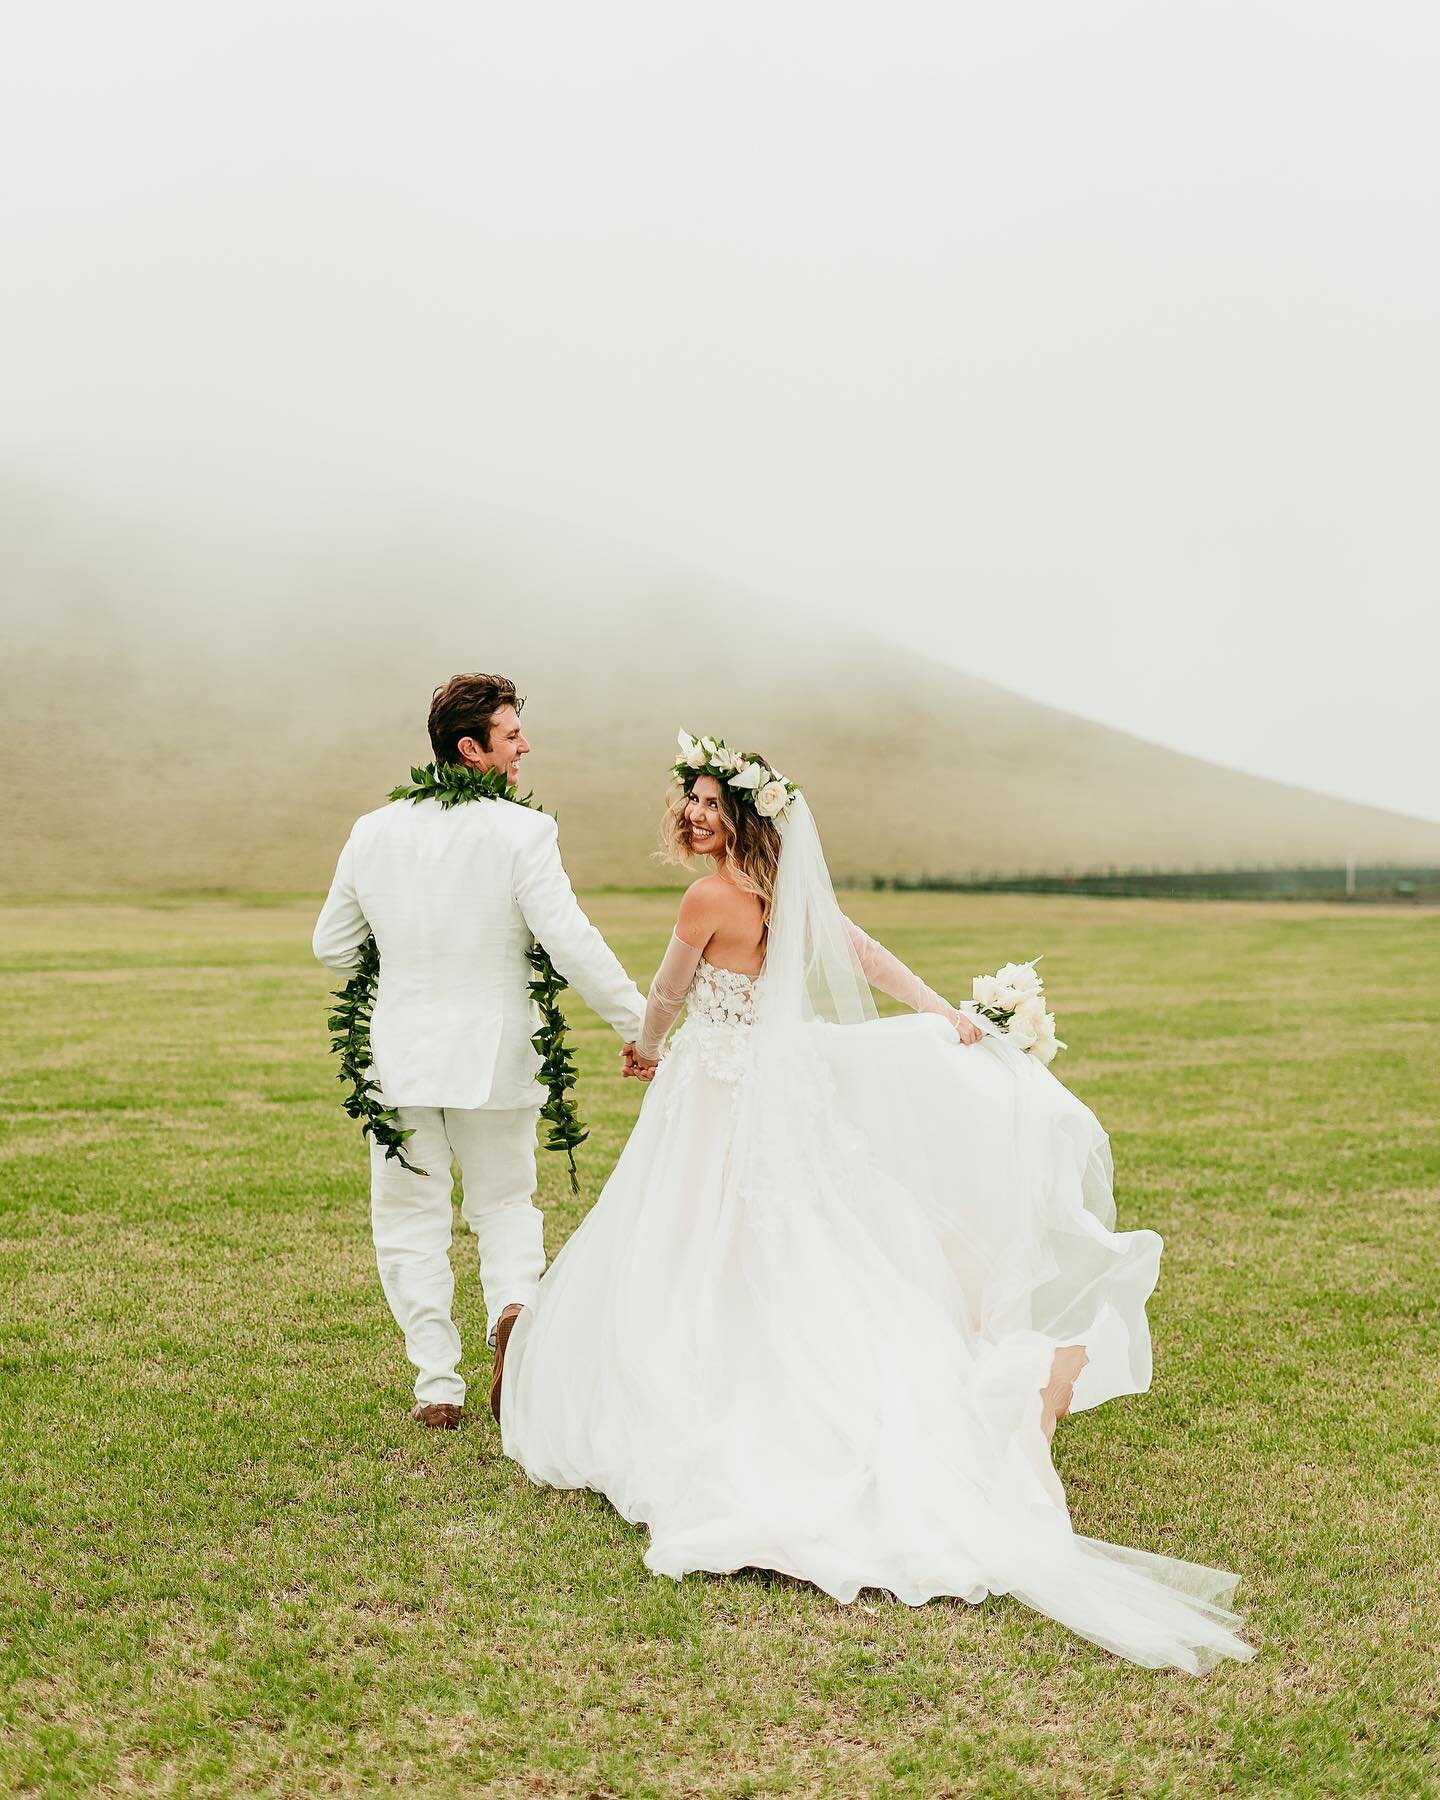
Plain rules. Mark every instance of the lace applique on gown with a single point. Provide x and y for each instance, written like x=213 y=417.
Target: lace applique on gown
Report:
x=720 y=1011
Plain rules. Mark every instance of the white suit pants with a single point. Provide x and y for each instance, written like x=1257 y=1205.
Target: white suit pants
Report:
x=411 y=1217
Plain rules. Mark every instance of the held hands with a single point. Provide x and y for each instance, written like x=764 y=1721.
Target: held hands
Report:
x=632 y=1063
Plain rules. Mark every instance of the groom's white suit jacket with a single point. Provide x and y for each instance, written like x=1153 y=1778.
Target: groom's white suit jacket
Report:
x=454 y=897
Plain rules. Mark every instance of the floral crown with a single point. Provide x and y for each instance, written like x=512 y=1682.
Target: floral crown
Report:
x=763 y=788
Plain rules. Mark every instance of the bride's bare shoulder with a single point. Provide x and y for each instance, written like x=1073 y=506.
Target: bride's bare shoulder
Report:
x=709 y=904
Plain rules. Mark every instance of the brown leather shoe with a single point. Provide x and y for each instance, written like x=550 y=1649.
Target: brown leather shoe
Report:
x=504 y=1325
x=440 y=1415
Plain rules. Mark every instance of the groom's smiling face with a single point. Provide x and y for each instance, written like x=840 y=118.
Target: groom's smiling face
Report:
x=507 y=745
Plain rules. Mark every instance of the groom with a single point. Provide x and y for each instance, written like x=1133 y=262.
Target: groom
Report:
x=454 y=897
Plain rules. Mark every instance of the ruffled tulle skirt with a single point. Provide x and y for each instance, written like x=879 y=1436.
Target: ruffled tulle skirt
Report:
x=806 y=1326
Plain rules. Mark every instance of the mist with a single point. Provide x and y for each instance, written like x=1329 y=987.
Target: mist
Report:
x=1092 y=353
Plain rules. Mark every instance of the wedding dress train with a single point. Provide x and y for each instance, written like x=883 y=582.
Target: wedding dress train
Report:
x=806 y=1325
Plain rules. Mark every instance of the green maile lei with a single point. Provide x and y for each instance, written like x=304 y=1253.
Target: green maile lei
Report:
x=452 y=784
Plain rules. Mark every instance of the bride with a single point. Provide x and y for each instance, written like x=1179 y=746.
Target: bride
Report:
x=846 y=1274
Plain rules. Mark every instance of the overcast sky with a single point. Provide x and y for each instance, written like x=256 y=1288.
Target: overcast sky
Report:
x=1092 y=346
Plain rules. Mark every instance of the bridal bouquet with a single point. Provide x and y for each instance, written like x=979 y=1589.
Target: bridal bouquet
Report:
x=1014 y=999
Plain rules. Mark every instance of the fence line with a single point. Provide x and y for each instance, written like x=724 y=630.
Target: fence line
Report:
x=1318 y=881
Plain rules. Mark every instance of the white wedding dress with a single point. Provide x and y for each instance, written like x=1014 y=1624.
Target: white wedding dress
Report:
x=806 y=1325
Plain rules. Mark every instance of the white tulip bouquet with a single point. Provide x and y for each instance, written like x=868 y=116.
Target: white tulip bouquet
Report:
x=1013 y=998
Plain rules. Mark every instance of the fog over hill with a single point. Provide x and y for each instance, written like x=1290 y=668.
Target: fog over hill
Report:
x=212 y=711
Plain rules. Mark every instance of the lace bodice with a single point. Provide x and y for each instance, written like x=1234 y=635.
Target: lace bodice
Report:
x=715 y=1038
x=725 y=999
x=721 y=996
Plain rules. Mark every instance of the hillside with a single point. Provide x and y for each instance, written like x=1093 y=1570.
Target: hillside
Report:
x=200 y=715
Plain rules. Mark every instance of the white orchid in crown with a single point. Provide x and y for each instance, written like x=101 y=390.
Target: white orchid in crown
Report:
x=692 y=752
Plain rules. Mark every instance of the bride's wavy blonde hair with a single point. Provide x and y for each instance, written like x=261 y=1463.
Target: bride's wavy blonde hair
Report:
x=752 y=849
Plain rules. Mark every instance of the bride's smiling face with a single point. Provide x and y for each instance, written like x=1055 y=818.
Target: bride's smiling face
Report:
x=704 y=821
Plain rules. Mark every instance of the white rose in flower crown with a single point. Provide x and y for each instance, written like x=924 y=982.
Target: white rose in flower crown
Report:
x=751 y=776
x=771 y=799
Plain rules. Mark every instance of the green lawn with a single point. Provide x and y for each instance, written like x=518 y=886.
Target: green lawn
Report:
x=233 y=1565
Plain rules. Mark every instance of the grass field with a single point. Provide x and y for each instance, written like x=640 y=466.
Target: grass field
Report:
x=232 y=1564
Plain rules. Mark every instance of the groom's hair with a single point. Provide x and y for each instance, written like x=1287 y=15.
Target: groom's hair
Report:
x=464 y=708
